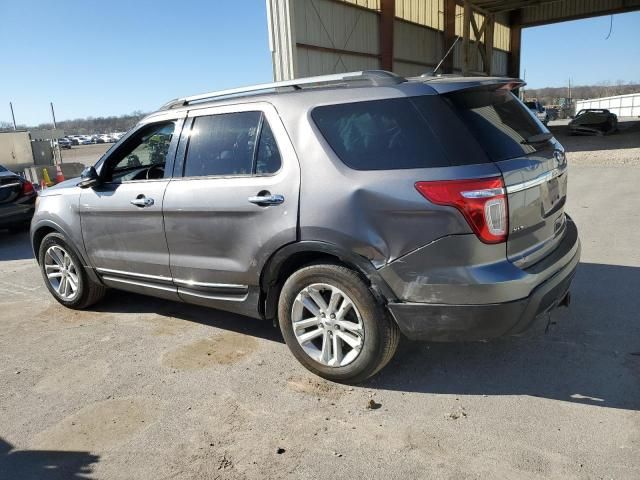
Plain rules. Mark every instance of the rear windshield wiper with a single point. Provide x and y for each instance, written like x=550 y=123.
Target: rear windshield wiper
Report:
x=538 y=138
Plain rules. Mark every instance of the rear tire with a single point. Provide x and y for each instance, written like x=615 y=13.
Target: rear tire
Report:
x=346 y=339
x=64 y=275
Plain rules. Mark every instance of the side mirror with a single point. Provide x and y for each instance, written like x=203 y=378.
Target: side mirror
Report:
x=89 y=178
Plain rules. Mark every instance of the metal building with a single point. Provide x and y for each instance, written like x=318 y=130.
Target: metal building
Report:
x=621 y=105
x=410 y=37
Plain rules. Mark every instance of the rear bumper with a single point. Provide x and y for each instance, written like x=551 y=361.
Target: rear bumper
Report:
x=467 y=322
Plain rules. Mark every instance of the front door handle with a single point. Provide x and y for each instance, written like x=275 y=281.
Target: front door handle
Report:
x=265 y=199
x=142 y=201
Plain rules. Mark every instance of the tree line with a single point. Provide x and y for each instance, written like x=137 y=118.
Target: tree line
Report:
x=122 y=123
x=557 y=95
x=85 y=126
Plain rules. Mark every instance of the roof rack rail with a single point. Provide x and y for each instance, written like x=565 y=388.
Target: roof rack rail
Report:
x=372 y=77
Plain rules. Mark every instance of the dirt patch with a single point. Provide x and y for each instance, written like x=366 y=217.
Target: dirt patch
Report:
x=73 y=377
x=223 y=349
x=98 y=426
x=55 y=311
x=314 y=386
x=167 y=325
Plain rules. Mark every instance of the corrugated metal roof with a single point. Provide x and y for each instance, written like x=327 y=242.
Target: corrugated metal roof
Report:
x=538 y=12
x=557 y=11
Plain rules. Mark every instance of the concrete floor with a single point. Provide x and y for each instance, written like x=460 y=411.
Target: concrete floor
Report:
x=144 y=388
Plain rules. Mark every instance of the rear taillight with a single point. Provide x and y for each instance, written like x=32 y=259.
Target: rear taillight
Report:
x=27 y=187
x=483 y=203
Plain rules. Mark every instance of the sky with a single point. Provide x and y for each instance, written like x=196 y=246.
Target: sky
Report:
x=579 y=49
x=97 y=58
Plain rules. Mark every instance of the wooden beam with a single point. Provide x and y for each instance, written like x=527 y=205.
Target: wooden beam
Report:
x=387 y=16
x=513 y=69
x=478 y=33
x=449 y=34
x=466 y=31
x=338 y=51
x=488 y=43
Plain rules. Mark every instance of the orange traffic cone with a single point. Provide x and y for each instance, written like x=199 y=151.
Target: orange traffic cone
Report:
x=59 y=175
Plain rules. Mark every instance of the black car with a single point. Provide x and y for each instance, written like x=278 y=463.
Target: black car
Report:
x=17 y=200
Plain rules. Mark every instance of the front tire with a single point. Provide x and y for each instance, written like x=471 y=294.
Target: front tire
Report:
x=333 y=324
x=64 y=275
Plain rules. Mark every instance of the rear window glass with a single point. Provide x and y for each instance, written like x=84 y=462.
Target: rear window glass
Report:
x=500 y=123
x=380 y=135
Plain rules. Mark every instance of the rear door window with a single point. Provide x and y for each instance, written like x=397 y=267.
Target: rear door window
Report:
x=222 y=145
x=231 y=144
x=379 y=135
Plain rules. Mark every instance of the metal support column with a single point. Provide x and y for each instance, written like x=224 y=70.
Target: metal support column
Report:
x=466 y=32
x=387 y=17
x=449 y=34
x=488 y=44
x=513 y=69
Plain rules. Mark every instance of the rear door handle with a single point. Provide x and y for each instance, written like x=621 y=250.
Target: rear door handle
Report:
x=142 y=201
x=265 y=199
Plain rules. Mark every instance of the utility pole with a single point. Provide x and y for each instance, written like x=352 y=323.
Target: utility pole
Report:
x=53 y=115
x=13 y=117
x=57 y=150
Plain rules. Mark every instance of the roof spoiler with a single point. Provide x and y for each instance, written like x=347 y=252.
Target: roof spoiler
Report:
x=448 y=85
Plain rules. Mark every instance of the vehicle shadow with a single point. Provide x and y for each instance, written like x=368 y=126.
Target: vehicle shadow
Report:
x=124 y=302
x=44 y=464
x=590 y=356
x=628 y=136
x=15 y=246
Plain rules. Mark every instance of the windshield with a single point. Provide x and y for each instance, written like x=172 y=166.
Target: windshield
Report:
x=501 y=123
x=2 y=169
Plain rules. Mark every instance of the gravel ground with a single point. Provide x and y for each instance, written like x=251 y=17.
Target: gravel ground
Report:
x=85 y=154
x=139 y=388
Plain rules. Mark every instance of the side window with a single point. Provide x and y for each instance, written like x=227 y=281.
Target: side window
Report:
x=144 y=155
x=222 y=144
x=268 y=157
x=379 y=135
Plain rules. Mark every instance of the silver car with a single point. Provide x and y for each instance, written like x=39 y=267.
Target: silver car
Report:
x=347 y=209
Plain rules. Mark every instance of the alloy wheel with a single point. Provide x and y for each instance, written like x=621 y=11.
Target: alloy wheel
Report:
x=327 y=325
x=61 y=272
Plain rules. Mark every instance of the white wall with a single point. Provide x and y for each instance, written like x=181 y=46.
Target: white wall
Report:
x=621 y=105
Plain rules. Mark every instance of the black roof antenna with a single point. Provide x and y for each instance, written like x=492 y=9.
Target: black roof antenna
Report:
x=445 y=56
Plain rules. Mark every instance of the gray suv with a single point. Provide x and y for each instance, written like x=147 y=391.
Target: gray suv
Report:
x=347 y=209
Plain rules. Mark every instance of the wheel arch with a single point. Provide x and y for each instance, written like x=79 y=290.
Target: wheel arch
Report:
x=44 y=228
x=294 y=256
